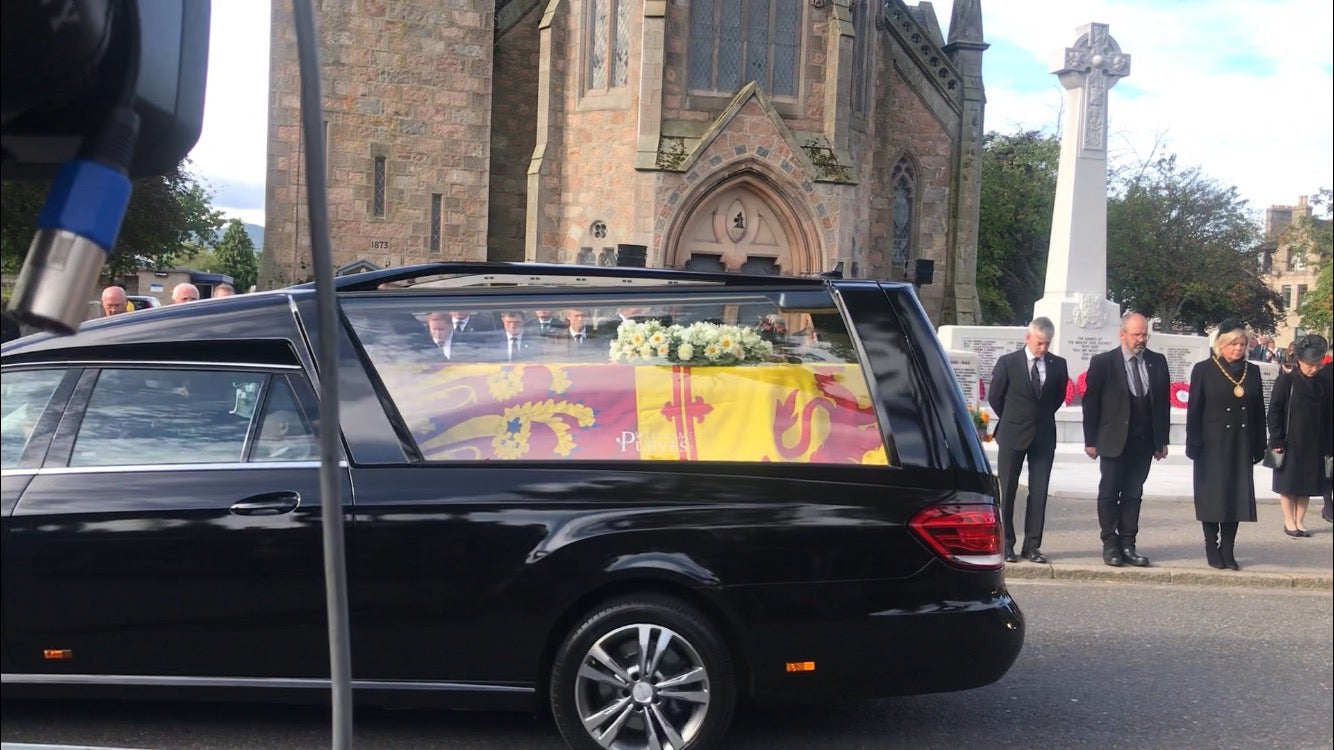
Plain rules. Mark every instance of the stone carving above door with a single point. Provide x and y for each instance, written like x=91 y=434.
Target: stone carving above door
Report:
x=735 y=226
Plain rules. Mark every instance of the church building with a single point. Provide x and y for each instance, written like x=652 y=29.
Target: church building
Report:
x=761 y=136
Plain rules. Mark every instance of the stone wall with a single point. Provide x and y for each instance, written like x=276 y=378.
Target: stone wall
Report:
x=908 y=126
x=598 y=178
x=514 y=134
x=407 y=81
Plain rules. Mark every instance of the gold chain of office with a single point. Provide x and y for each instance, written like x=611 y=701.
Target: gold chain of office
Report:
x=1237 y=390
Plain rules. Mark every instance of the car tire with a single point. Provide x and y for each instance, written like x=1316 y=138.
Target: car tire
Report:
x=599 y=700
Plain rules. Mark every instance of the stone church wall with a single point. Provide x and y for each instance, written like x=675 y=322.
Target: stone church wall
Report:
x=407 y=81
x=910 y=127
x=513 y=136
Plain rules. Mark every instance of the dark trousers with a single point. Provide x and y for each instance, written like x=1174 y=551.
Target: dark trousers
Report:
x=1009 y=464
x=1121 y=491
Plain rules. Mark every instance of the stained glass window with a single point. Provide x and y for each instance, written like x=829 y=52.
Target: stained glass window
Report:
x=608 y=43
x=437 y=216
x=903 y=189
x=381 y=178
x=733 y=42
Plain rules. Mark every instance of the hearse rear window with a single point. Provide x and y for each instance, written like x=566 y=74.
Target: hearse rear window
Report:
x=714 y=378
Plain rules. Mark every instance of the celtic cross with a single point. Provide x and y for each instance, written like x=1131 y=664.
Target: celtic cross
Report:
x=1094 y=64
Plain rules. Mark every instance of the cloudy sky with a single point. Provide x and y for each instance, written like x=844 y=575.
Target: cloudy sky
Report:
x=1244 y=90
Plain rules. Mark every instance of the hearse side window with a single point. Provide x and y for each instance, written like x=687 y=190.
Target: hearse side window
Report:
x=23 y=397
x=166 y=416
x=690 y=377
x=284 y=432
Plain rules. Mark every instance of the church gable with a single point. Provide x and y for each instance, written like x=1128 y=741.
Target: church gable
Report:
x=750 y=119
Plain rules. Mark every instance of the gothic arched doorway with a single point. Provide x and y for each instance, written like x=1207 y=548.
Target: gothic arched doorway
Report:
x=744 y=226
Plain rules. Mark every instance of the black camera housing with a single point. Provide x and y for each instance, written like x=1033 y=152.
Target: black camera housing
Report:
x=64 y=70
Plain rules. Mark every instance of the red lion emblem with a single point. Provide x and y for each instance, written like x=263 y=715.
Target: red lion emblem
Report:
x=853 y=429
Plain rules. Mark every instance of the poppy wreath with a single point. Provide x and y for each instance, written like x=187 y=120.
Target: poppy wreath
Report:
x=1077 y=387
x=1178 y=394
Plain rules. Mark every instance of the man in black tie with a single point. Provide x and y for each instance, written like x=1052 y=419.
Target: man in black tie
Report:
x=441 y=328
x=1126 y=421
x=572 y=339
x=545 y=323
x=466 y=322
x=1027 y=387
x=515 y=346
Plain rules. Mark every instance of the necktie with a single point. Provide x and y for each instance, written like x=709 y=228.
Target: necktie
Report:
x=546 y=325
x=514 y=345
x=579 y=338
x=458 y=325
x=1036 y=378
x=1136 y=383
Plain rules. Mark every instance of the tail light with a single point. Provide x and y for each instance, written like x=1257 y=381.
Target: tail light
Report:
x=968 y=536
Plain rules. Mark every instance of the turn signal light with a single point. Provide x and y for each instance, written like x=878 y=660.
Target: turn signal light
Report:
x=57 y=653
x=966 y=535
x=801 y=666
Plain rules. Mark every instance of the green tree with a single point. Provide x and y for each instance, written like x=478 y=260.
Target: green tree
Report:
x=1312 y=236
x=235 y=256
x=1182 y=248
x=165 y=215
x=1014 y=223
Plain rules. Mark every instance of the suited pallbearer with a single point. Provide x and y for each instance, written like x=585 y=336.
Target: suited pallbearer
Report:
x=1126 y=422
x=1027 y=387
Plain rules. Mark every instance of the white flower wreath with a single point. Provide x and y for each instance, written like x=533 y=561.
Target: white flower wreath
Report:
x=699 y=344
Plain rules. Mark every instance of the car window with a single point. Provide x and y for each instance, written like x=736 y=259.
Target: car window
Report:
x=23 y=397
x=162 y=416
x=284 y=432
x=713 y=378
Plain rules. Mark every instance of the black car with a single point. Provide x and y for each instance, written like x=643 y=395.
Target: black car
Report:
x=699 y=487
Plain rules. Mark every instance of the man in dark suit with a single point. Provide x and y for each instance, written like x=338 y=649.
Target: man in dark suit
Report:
x=512 y=345
x=544 y=323
x=1263 y=351
x=468 y=322
x=1126 y=423
x=1027 y=387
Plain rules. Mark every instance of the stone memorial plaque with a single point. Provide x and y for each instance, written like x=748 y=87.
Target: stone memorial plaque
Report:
x=1078 y=347
x=988 y=345
x=1268 y=374
x=1182 y=352
x=965 y=369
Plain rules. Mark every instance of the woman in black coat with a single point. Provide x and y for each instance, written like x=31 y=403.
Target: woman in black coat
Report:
x=1300 y=428
x=1225 y=437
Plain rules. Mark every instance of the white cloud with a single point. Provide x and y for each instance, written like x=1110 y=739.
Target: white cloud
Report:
x=1241 y=89
x=231 y=155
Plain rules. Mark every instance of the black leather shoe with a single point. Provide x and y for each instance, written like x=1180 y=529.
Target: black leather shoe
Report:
x=1010 y=556
x=1035 y=556
x=1134 y=558
x=1112 y=557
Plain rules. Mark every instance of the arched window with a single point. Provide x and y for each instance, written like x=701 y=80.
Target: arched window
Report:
x=607 y=44
x=903 y=190
x=734 y=42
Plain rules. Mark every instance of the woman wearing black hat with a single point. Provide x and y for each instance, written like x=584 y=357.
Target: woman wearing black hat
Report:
x=1300 y=428
x=1225 y=437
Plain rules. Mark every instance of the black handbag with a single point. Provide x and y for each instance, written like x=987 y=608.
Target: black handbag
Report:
x=1273 y=459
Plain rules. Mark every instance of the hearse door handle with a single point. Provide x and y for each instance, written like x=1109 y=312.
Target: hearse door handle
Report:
x=270 y=504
